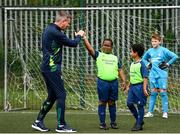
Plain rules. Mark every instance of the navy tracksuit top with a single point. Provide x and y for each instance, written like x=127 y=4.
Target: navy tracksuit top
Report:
x=53 y=40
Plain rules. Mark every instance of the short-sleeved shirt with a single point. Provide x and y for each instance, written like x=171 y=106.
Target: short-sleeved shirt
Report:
x=119 y=61
x=138 y=71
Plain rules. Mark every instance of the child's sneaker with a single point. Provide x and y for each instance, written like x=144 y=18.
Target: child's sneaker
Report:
x=114 y=125
x=65 y=128
x=165 y=115
x=142 y=123
x=103 y=126
x=137 y=128
x=149 y=114
x=40 y=126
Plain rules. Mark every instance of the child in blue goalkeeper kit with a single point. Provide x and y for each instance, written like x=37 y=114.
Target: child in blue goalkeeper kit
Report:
x=158 y=59
x=137 y=92
x=108 y=68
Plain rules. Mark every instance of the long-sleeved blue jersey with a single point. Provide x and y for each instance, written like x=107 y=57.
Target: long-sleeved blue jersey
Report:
x=53 y=40
x=157 y=56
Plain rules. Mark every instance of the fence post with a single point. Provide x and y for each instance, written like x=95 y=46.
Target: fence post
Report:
x=82 y=70
x=5 y=60
x=1 y=21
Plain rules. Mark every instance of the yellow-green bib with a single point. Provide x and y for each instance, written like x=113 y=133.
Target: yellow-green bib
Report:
x=135 y=73
x=107 y=65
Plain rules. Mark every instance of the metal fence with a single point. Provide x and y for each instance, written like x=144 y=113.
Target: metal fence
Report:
x=88 y=3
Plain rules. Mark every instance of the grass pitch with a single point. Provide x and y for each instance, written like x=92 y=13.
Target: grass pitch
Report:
x=86 y=122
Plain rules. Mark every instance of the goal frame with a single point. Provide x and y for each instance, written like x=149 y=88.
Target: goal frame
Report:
x=52 y=9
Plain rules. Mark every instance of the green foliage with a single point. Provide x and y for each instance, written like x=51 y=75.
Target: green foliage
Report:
x=63 y=3
x=169 y=37
x=156 y=1
x=73 y=3
x=34 y=2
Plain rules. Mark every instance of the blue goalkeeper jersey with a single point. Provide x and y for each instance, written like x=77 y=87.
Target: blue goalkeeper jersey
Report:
x=53 y=40
x=156 y=56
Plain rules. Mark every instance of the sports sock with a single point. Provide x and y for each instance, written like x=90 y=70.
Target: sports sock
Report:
x=47 y=105
x=133 y=110
x=102 y=113
x=152 y=101
x=164 y=98
x=60 y=109
x=37 y=121
x=112 y=111
x=140 y=114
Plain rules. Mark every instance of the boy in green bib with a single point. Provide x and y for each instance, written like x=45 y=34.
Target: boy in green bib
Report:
x=109 y=68
x=137 y=92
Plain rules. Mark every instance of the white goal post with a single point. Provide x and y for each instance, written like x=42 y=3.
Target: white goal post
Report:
x=23 y=83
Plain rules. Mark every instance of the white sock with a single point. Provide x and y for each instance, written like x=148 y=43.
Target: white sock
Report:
x=37 y=121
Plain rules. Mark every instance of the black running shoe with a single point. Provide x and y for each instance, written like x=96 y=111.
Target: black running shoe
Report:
x=103 y=126
x=65 y=128
x=137 y=128
x=114 y=125
x=40 y=126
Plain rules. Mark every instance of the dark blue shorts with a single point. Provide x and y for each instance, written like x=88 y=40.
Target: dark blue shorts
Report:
x=107 y=90
x=136 y=95
x=55 y=85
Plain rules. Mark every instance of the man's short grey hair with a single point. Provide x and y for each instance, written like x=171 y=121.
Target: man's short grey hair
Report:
x=62 y=15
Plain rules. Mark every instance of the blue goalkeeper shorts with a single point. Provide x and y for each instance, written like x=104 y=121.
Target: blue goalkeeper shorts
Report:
x=160 y=83
x=107 y=90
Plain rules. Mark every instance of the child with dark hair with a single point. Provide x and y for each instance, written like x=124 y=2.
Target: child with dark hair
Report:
x=137 y=91
x=109 y=69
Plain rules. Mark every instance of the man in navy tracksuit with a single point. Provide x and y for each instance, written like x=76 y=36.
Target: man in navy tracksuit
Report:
x=53 y=40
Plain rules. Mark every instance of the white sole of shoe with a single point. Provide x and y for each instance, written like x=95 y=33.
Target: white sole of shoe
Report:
x=39 y=129
x=148 y=116
x=65 y=131
x=165 y=117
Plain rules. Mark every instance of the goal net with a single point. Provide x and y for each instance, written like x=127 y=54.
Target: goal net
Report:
x=24 y=85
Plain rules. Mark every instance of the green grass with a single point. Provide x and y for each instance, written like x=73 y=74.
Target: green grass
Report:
x=86 y=122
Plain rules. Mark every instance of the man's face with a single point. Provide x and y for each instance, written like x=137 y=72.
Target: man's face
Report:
x=155 y=42
x=65 y=23
x=107 y=47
